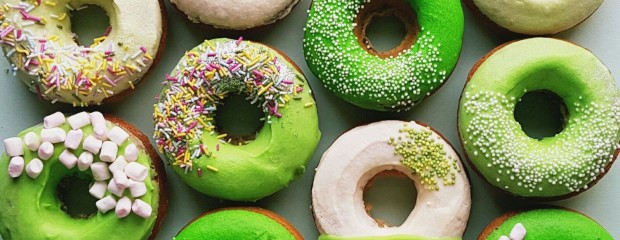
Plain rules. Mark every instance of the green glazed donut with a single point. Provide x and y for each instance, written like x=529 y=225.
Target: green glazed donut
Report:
x=550 y=224
x=30 y=205
x=339 y=54
x=554 y=167
x=185 y=129
x=247 y=223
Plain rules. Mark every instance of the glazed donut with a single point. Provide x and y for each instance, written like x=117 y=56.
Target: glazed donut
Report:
x=545 y=223
x=37 y=39
x=240 y=223
x=339 y=54
x=185 y=128
x=236 y=14
x=532 y=17
x=127 y=180
x=414 y=149
x=555 y=167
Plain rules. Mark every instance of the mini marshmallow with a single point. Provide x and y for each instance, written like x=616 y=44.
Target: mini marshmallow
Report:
x=53 y=135
x=137 y=189
x=131 y=153
x=518 y=232
x=504 y=238
x=46 y=150
x=68 y=159
x=85 y=160
x=99 y=125
x=100 y=171
x=78 y=120
x=106 y=204
x=120 y=178
x=118 y=165
x=54 y=120
x=34 y=168
x=108 y=151
x=73 y=139
x=141 y=208
x=92 y=144
x=136 y=171
x=123 y=207
x=118 y=135
x=16 y=166
x=13 y=146
x=32 y=141
x=115 y=189
x=98 y=189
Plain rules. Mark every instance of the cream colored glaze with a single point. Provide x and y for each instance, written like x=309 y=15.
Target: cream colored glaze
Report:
x=537 y=17
x=357 y=156
x=235 y=14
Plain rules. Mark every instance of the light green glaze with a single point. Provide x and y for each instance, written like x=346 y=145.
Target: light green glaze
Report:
x=553 y=224
x=554 y=166
x=235 y=225
x=31 y=209
x=394 y=237
x=351 y=73
x=265 y=165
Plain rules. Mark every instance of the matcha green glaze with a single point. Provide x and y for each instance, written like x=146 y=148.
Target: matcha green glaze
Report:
x=349 y=71
x=554 y=166
x=32 y=210
x=235 y=225
x=260 y=167
x=395 y=237
x=553 y=224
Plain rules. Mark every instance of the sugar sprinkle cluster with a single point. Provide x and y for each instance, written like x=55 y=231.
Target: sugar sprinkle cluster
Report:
x=61 y=70
x=396 y=83
x=587 y=146
x=425 y=156
x=203 y=79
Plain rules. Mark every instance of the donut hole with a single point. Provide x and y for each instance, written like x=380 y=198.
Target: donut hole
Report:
x=75 y=200
x=541 y=114
x=389 y=197
x=89 y=22
x=238 y=119
x=386 y=28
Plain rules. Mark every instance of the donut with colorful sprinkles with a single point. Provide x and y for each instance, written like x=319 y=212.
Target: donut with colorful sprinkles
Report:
x=204 y=157
x=37 y=40
x=84 y=176
x=554 y=167
x=339 y=54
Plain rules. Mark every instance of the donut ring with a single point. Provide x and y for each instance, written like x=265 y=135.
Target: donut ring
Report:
x=37 y=39
x=360 y=154
x=338 y=53
x=555 y=167
x=203 y=158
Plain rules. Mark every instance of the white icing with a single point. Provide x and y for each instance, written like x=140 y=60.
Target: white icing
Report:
x=358 y=155
x=537 y=17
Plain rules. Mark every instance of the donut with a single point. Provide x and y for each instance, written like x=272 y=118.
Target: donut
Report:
x=339 y=54
x=205 y=158
x=413 y=149
x=237 y=14
x=126 y=175
x=532 y=17
x=37 y=40
x=239 y=223
x=544 y=223
x=554 y=167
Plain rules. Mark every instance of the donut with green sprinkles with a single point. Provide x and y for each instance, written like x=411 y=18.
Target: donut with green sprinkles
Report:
x=339 y=54
x=554 y=167
x=205 y=158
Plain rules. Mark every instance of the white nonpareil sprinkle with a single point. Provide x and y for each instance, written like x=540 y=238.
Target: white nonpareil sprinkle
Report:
x=34 y=168
x=32 y=141
x=13 y=146
x=106 y=204
x=79 y=120
x=16 y=166
x=46 y=150
x=54 y=120
x=108 y=151
x=53 y=135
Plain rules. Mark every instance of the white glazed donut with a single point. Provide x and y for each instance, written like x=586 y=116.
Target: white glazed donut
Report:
x=537 y=17
x=235 y=14
x=360 y=154
x=37 y=39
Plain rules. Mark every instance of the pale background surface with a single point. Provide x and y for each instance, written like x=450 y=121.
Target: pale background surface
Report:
x=600 y=34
